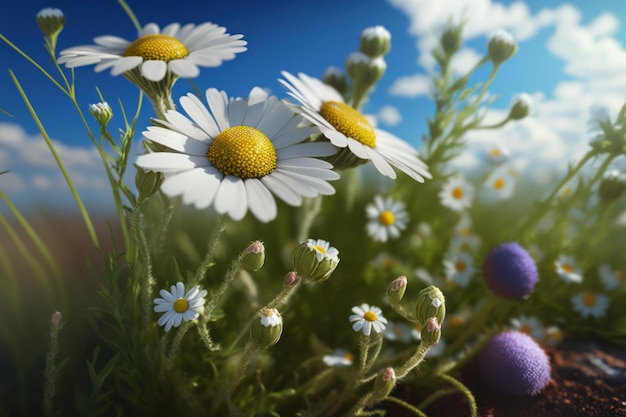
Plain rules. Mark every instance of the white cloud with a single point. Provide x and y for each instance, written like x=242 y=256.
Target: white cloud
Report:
x=411 y=86
x=389 y=115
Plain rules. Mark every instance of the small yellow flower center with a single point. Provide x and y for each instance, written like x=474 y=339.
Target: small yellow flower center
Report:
x=388 y=263
x=495 y=152
x=157 y=47
x=455 y=321
x=589 y=299
x=181 y=305
x=319 y=248
x=566 y=191
x=459 y=266
x=620 y=275
x=526 y=328
x=349 y=356
x=499 y=184
x=349 y=122
x=457 y=192
x=370 y=316
x=244 y=152
x=465 y=231
x=567 y=268
x=386 y=218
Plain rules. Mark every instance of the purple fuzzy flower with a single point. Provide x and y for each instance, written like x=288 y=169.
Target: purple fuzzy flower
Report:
x=510 y=271
x=512 y=363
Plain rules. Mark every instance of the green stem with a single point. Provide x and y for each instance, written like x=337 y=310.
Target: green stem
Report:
x=226 y=393
x=415 y=360
x=131 y=14
x=208 y=259
x=145 y=286
x=470 y=398
x=411 y=408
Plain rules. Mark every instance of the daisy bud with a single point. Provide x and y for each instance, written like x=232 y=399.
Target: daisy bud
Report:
x=254 y=256
x=384 y=383
x=336 y=78
x=266 y=330
x=431 y=332
x=102 y=113
x=430 y=303
x=56 y=318
x=612 y=186
x=51 y=22
x=501 y=46
x=451 y=39
x=521 y=107
x=375 y=41
x=315 y=260
x=291 y=279
x=147 y=183
x=396 y=290
x=365 y=70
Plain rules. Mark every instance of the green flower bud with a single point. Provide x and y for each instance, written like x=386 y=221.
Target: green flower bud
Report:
x=612 y=186
x=266 y=330
x=431 y=332
x=364 y=70
x=254 y=256
x=51 y=22
x=102 y=113
x=430 y=303
x=384 y=383
x=521 y=107
x=501 y=46
x=375 y=41
x=336 y=78
x=147 y=183
x=451 y=39
x=396 y=290
x=315 y=260
x=291 y=279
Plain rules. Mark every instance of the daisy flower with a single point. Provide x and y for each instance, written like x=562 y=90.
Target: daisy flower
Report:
x=338 y=358
x=567 y=269
x=177 y=49
x=178 y=305
x=366 y=318
x=387 y=218
x=530 y=325
x=459 y=268
x=611 y=278
x=457 y=193
x=590 y=304
x=497 y=155
x=499 y=185
x=239 y=156
x=346 y=128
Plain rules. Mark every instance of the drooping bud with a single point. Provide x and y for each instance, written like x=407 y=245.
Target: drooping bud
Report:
x=396 y=290
x=102 y=113
x=501 y=46
x=51 y=22
x=431 y=332
x=612 y=186
x=147 y=183
x=384 y=383
x=315 y=260
x=267 y=328
x=522 y=107
x=254 y=256
x=430 y=303
x=375 y=41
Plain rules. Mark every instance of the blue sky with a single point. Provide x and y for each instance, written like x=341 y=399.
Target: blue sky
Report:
x=572 y=55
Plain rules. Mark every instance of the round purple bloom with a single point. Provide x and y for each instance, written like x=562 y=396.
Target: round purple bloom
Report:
x=512 y=363
x=510 y=271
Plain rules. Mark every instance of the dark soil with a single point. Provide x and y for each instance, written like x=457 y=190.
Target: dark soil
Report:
x=588 y=380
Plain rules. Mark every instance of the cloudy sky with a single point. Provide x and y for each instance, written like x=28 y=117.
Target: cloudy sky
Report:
x=571 y=57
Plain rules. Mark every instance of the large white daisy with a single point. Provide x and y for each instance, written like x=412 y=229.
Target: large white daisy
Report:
x=345 y=127
x=237 y=156
x=179 y=49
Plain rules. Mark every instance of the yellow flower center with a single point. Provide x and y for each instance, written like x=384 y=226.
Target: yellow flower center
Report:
x=319 y=248
x=370 y=316
x=457 y=192
x=465 y=231
x=620 y=275
x=386 y=218
x=349 y=122
x=455 y=321
x=244 y=152
x=566 y=191
x=589 y=299
x=349 y=356
x=157 y=47
x=495 y=152
x=567 y=268
x=499 y=184
x=459 y=266
x=526 y=328
x=181 y=305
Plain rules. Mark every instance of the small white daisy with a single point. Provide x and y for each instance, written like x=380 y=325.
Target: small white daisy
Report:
x=366 y=318
x=179 y=306
x=530 y=325
x=611 y=278
x=554 y=335
x=459 y=268
x=497 y=155
x=270 y=317
x=499 y=185
x=338 y=358
x=567 y=269
x=346 y=128
x=457 y=193
x=590 y=304
x=239 y=156
x=387 y=218
x=323 y=250
x=176 y=49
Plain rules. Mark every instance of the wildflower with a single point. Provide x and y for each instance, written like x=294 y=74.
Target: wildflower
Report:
x=529 y=325
x=336 y=78
x=315 y=260
x=499 y=185
x=457 y=194
x=522 y=107
x=512 y=363
x=396 y=290
x=384 y=383
x=364 y=70
x=384 y=260
x=567 y=190
x=451 y=38
x=266 y=331
x=175 y=49
x=590 y=304
x=375 y=41
x=459 y=268
x=102 y=113
x=611 y=278
x=346 y=128
x=387 y=218
x=501 y=46
x=567 y=269
x=469 y=243
x=554 y=335
x=497 y=155
x=510 y=271
x=178 y=305
x=338 y=358
x=612 y=186
x=366 y=318
x=238 y=157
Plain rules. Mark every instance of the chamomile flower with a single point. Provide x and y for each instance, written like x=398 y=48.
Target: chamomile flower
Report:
x=497 y=155
x=611 y=278
x=387 y=218
x=590 y=304
x=530 y=325
x=349 y=130
x=238 y=157
x=178 y=305
x=366 y=318
x=499 y=185
x=177 y=49
x=459 y=268
x=457 y=193
x=567 y=269
x=338 y=358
